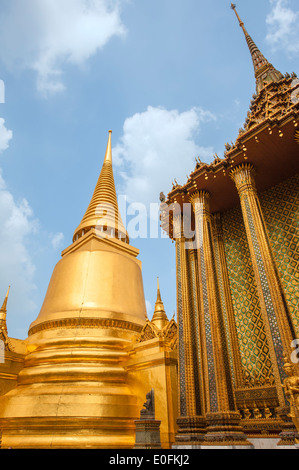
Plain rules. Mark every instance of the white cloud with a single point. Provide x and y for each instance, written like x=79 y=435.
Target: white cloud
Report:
x=57 y=240
x=17 y=269
x=17 y=223
x=149 y=308
x=45 y=35
x=20 y=236
x=5 y=136
x=23 y=242
x=283 y=30
x=156 y=147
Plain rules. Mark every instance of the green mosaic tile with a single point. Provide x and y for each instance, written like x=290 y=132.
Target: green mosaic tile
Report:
x=252 y=339
x=284 y=238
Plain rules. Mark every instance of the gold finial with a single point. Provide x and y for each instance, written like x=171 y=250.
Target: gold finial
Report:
x=3 y=308
x=158 y=290
x=3 y=312
x=233 y=7
x=108 y=155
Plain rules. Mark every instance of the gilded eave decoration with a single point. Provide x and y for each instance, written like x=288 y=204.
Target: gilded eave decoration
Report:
x=167 y=334
x=274 y=101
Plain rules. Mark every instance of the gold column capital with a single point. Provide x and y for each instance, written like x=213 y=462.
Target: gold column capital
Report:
x=244 y=177
x=177 y=226
x=201 y=196
x=200 y=201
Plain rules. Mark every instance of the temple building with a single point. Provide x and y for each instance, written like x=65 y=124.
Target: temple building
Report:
x=237 y=258
x=223 y=373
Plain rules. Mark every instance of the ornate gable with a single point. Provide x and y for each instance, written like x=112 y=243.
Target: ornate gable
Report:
x=149 y=331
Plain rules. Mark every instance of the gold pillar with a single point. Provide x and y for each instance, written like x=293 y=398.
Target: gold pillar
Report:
x=191 y=423
x=278 y=323
x=226 y=302
x=222 y=417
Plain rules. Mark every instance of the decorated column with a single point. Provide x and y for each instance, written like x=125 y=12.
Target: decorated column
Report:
x=222 y=418
x=226 y=302
x=191 y=424
x=278 y=323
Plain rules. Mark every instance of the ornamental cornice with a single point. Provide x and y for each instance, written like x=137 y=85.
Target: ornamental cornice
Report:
x=85 y=323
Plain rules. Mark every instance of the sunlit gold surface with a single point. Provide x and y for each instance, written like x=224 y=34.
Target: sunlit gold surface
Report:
x=159 y=317
x=154 y=363
x=77 y=348
x=95 y=279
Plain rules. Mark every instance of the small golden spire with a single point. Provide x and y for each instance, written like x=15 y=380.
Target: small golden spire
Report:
x=158 y=291
x=103 y=213
x=159 y=318
x=4 y=305
x=3 y=312
x=3 y=324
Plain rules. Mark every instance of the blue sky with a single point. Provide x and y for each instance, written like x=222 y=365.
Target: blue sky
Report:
x=173 y=79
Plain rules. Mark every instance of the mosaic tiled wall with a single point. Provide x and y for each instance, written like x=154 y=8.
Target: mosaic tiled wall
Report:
x=280 y=206
x=181 y=348
x=195 y=330
x=252 y=339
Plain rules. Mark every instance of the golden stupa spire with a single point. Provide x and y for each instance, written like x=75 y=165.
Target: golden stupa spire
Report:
x=158 y=291
x=108 y=154
x=264 y=71
x=159 y=318
x=3 y=309
x=3 y=312
x=102 y=212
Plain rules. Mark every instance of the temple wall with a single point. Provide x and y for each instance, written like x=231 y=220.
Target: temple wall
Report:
x=154 y=366
x=280 y=207
x=251 y=333
x=10 y=365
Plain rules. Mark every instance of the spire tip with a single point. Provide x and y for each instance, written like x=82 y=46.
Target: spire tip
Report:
x=4 y=305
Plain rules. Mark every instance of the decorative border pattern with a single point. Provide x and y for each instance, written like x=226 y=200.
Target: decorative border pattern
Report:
x=181 y=348
x=85 y=323
x=276 y=337
x=191 y=259
x=208 y=330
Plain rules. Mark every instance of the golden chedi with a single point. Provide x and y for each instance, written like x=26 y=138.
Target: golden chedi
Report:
x=3 y=325
x=73 y=390
x=159 y=319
